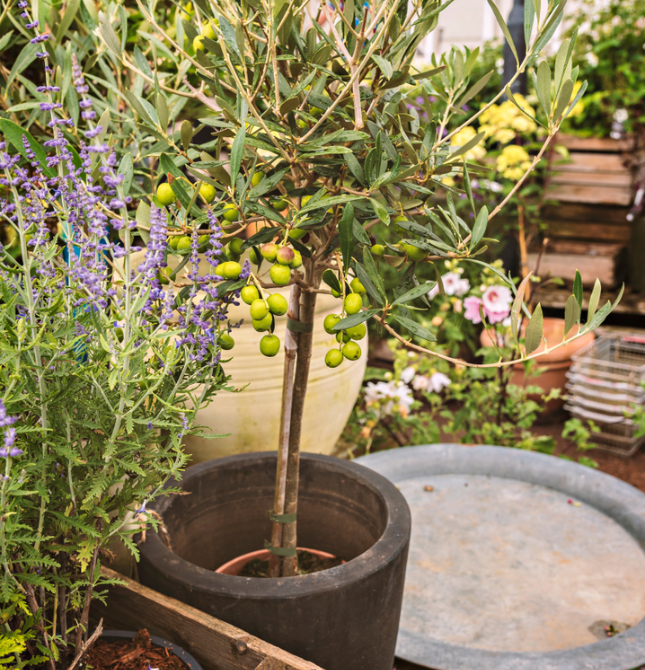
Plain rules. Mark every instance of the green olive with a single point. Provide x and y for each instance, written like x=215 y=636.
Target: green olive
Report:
x=226 y=341
x=353 y=303
x=352 y=351
x=330 y=321
x=280 y=274
x=259 y=309
x=249 y=294
x=262 y=324
x=278 y=304
x=270 y=345
x=165 y=194
x=333 y=358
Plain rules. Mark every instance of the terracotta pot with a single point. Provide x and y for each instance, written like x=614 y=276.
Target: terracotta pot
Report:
x=235 y=566
x=554 y=366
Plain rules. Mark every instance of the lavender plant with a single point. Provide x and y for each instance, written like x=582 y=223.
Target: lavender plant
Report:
x=102 y=368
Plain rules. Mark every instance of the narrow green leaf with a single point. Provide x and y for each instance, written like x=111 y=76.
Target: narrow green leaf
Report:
x=517 y=307
x=331 y=279
x=529 y=20
x=571 y=313
x=380 y=211
x=429 y=73
x=136 y=103
x=66 y=21
x=575 y=101
x=364 y=278
x=162 y=112
x=549 y=28
x=505 y=30
x=533 y=337
x=4 y=40
x=236 y=153
x=126 y=168
x=346 y=235
x=168 y=166
x=563 y=98
x=466 y=147
x=544 y=86
x=415 y=292
x=24 y=59
x=414 y=328
x=142 y=62
x=109 y=36
x=355 y=319
x=481 y=222
x=14 y=133
x=384 y=65
x=577 y=288
x=360 y=233
x=186 y=134
x=594 y=300
x=475 y=89
x=267 y=184
x=561 y=63
x=373 y=272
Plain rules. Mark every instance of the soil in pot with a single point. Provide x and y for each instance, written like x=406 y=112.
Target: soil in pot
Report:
x=308 y=563
x=138 y=653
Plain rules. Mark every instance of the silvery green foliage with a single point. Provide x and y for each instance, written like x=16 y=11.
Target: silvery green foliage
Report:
x=102 y=368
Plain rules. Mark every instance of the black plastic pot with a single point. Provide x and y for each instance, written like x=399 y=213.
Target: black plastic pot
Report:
x=160 y=642
x=345 y=618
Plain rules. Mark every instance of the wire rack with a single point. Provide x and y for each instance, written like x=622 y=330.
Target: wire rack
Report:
x=606 y=384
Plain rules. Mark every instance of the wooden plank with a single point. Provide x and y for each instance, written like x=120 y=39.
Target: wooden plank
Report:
x=581 y=212
x=608 y=270
x=215 y=644
x=591 y=178
x=585 y=248
x=556 y=298
x=594 y=143
x=591 y=162
x=591 y=194
x=589 y=231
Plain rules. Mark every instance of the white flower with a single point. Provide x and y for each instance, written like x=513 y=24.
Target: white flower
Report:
x=453 y=284
x=408 y=374
x=420 y=383
x=391 y=396
x=437 y=382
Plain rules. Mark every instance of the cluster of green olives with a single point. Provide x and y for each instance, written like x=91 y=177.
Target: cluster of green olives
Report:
x=348 y=348
x=283 y=258
x=413 y=253
x=263 y=312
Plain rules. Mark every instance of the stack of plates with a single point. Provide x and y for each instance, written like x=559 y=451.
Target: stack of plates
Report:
x=606 y=385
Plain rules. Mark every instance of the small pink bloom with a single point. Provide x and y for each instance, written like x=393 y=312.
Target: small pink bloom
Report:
x=471 y=305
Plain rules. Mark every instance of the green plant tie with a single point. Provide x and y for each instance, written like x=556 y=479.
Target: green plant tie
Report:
x=299 y=326
x=280 y=551
x=282 y=518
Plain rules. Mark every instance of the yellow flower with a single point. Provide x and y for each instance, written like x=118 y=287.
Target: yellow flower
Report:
x=448 y=181
x=464 y=136
x=514 y=173
x=504 y=135
x=523 y=124
x=511 y=155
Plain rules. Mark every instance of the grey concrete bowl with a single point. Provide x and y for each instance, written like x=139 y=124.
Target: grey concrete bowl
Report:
x=518 y=561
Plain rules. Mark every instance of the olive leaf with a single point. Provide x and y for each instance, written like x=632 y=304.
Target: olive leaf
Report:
x=571 y=314
x=533 y=337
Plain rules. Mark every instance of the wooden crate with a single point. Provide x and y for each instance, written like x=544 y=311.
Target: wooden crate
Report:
x=603 y=223
x=596 y=174
x=215 y=644
x=607 y=262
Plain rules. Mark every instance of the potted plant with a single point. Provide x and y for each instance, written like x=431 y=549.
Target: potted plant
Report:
x=101 y=372
x=321 y=147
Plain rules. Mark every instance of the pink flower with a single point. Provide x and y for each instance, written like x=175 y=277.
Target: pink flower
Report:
x=471 y=305
x=497 y=303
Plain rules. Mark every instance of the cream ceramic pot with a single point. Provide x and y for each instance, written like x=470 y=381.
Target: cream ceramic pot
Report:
x=250 y=419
